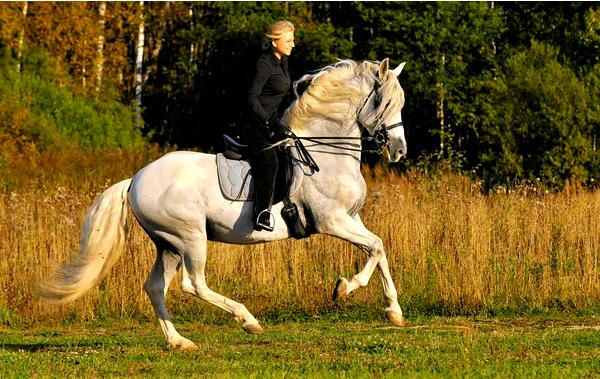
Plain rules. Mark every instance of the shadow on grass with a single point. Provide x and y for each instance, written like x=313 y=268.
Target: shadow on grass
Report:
x=31 y=347
x=55 y=346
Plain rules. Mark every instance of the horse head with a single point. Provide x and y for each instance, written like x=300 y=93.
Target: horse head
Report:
x=381 y=112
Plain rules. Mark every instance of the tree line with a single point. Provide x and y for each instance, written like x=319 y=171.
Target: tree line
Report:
x=505 y=91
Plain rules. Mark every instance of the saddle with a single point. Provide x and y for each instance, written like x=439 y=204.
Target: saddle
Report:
x=237 y=184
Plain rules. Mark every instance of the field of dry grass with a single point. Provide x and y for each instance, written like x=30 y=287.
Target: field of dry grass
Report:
x=452 y=250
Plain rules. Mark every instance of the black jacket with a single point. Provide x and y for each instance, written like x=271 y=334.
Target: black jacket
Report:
x=269 y=85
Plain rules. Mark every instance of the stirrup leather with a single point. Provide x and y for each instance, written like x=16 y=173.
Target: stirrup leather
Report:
x=268 y=227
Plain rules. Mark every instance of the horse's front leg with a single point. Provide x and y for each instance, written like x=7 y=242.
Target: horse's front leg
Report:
x=354 y=231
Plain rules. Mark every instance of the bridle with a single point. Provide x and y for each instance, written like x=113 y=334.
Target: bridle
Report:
x=380 y=135
x=380 y=131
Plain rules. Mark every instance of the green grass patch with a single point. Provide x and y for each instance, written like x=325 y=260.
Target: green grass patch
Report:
x=430 y=347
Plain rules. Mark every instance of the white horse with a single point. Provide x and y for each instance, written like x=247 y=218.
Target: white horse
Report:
x=178 y=202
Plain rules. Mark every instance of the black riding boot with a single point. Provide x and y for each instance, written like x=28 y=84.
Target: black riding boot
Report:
x=264 y=171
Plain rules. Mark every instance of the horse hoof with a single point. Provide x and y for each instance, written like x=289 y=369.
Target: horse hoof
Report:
x=253 y=329
x=395 y=318
x=186 y=345
x=340 y=289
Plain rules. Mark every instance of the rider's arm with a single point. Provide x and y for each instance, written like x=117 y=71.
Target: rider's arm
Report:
x=261 y=75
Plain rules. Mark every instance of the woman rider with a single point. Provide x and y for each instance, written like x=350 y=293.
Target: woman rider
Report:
x=269 y=85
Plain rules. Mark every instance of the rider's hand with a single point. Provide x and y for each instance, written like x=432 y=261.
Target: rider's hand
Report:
x=283 y=131
x=269 y=129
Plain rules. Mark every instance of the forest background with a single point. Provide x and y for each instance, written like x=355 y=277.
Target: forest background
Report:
x=506 y=92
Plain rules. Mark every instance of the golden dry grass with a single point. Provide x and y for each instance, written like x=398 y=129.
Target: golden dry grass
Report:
x=451 y=250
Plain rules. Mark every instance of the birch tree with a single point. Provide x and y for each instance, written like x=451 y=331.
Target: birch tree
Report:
x=13 y=17
x=21 y=36
x=139 y=60
x=100 y=45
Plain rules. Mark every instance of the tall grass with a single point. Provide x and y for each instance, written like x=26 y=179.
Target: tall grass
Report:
x=451 y=250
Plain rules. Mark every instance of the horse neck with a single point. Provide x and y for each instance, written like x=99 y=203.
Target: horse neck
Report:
x=321 y=127
x=347 y=135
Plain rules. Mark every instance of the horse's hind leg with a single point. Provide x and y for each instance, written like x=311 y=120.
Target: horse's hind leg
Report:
x=194 y=282
x=156 y=287
x=354 y=231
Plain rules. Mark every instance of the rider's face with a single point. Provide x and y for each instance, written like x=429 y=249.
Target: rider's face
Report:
x=284 y=45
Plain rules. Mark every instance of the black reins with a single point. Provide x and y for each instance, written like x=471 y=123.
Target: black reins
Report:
x=380 y=137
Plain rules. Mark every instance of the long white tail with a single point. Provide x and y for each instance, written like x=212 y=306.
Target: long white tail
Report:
x=102 y=242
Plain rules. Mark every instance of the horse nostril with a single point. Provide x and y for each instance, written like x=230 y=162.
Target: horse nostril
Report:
x=401 y=153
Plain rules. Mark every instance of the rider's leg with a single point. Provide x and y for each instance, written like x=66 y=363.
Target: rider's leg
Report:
x=264 y=171
x=265 y=187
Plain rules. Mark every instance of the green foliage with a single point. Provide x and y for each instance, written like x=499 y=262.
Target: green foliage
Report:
x=41 y=111
x=319 y=46
x=540 y=130
x=506 y=118
x=572 y=26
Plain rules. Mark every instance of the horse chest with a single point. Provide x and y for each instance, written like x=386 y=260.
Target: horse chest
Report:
x=344 y=192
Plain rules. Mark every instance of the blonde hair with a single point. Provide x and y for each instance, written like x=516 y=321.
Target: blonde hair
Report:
x=277 y=30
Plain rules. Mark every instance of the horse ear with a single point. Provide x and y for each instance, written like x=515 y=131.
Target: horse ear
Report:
x=384 y=67
x=398 y=69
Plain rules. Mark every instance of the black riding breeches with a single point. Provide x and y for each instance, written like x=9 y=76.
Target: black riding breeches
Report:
x=264 y=167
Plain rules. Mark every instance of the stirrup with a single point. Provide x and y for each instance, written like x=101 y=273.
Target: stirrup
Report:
x=262 y=226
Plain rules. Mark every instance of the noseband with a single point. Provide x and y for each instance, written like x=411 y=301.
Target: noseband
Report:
x=381 y=136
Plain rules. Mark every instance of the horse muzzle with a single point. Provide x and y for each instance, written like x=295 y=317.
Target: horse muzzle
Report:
x=395 y=150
